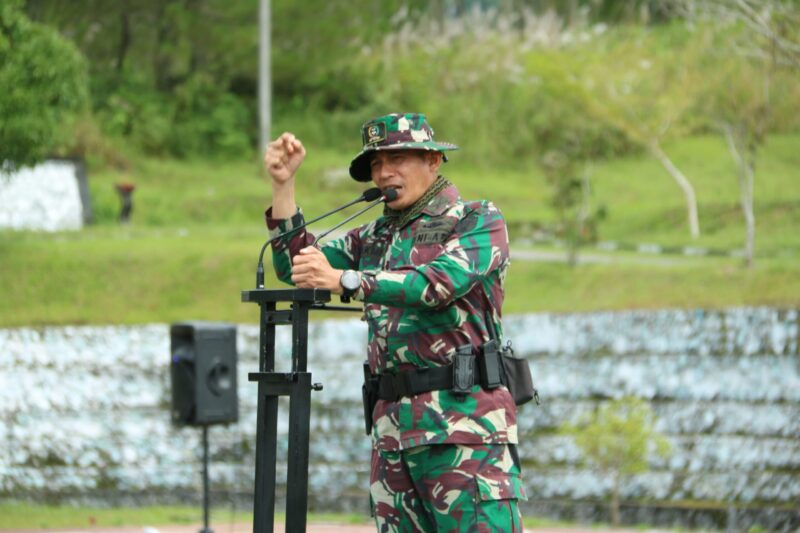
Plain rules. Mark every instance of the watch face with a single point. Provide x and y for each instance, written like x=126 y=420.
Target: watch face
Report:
x=350 y=280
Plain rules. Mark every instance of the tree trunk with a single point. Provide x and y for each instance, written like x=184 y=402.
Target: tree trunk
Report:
x=745 y=176
x=162 y=48
x=572 y=254
x=615 y=518
x=581 y=218
x=683 y=183
x=197 y=53
x=124 y=36
x=585 y=207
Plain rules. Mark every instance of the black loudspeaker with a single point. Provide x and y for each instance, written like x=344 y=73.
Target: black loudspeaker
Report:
x=203 y=373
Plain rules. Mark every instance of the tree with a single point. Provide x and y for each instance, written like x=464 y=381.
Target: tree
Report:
x=770 y=26
x=617 y=438
x=647 y=90
x=144 y=53
x=567 y=174
x=43 y=86
x=754 y=83
x=567 y=145
x=741 y=112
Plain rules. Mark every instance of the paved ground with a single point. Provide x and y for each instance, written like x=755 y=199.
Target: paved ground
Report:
x=586 y=257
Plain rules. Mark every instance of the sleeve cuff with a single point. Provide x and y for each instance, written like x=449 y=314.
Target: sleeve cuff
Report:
x=366 y=287
x=276 y=226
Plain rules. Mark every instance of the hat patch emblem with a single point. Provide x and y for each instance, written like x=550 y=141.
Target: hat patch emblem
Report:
x=375 y=133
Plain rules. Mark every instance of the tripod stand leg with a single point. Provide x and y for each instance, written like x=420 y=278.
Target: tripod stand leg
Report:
x=297 y=475
x=206 y=499
x=266 y=453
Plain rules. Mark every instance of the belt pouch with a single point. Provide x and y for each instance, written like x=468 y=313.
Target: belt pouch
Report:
x=369 y=397
x=489 y=362
x=463 y=370
x=518 y=377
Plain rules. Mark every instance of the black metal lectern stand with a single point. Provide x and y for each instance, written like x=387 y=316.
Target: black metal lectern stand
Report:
x=272 y=385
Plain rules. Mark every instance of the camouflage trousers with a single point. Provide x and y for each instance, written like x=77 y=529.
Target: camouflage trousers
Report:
x=447 y=488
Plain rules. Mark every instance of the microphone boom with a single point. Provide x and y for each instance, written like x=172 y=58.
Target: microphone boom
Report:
x=388 y=196
x=367 y=196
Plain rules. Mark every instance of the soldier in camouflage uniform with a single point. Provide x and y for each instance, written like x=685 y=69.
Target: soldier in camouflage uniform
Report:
x=430 y=274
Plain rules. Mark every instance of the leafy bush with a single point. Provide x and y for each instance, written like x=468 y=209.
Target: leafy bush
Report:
x=504 y=82
x=208 y=120
x=618 y=438
x=43 y=82
x=498 y=84
x=198 y=119
x=139 y=114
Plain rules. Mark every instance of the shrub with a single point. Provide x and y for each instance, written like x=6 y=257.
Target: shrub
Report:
x=43 y=81
x=208 y=120
x=198 y=119
x=495 y=82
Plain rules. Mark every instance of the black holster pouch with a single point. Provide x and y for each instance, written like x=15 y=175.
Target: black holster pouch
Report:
x=518 y=377
x=463 y=370
x=369 y=396
x=489 y=362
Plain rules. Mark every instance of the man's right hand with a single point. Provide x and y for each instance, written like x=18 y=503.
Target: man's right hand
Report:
x=283 y=157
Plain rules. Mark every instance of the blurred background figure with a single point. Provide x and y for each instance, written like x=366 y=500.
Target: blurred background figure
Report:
x=125 y=191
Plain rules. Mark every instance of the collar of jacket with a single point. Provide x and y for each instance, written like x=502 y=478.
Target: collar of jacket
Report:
x=435 y=201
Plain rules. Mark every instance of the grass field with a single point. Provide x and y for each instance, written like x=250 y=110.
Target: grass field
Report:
x=22 y=515
x=197 y=228
x=18 y=515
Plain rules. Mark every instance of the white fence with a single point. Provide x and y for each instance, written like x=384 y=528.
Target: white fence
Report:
x=52 y=196
x=84 y=413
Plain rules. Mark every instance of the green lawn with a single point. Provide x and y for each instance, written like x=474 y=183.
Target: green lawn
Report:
x=19 y=515
x=197 y=229
x=23 y=515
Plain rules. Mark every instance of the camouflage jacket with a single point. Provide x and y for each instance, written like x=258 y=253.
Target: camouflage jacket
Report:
x=426 y=288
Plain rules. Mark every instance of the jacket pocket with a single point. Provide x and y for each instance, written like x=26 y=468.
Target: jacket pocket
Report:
x=501 y=486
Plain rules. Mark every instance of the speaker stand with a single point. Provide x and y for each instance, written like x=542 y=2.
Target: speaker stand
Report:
x=206 y=499
x=297 y=386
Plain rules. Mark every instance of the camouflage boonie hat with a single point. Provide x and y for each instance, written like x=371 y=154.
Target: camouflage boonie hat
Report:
x=398 y=131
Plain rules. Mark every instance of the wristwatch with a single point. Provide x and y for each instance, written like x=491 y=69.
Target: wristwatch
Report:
x=350 y=282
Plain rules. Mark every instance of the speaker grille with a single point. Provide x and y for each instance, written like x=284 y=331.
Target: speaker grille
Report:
x=203 y=373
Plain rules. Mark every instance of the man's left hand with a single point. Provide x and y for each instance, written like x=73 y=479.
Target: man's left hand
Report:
x=311 y=270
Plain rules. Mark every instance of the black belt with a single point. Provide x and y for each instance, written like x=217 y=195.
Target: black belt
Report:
x=392 y=387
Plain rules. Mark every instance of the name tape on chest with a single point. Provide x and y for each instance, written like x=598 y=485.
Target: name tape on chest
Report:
x=434 y=231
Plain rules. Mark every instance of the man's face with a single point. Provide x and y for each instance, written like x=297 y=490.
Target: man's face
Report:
x=409 y=172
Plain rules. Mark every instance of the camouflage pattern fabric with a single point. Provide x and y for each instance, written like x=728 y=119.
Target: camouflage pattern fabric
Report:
x=397 y=131
x=446 y=488
x=426 y=286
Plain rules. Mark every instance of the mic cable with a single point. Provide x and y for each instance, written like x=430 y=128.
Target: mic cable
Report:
x=368 y=196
